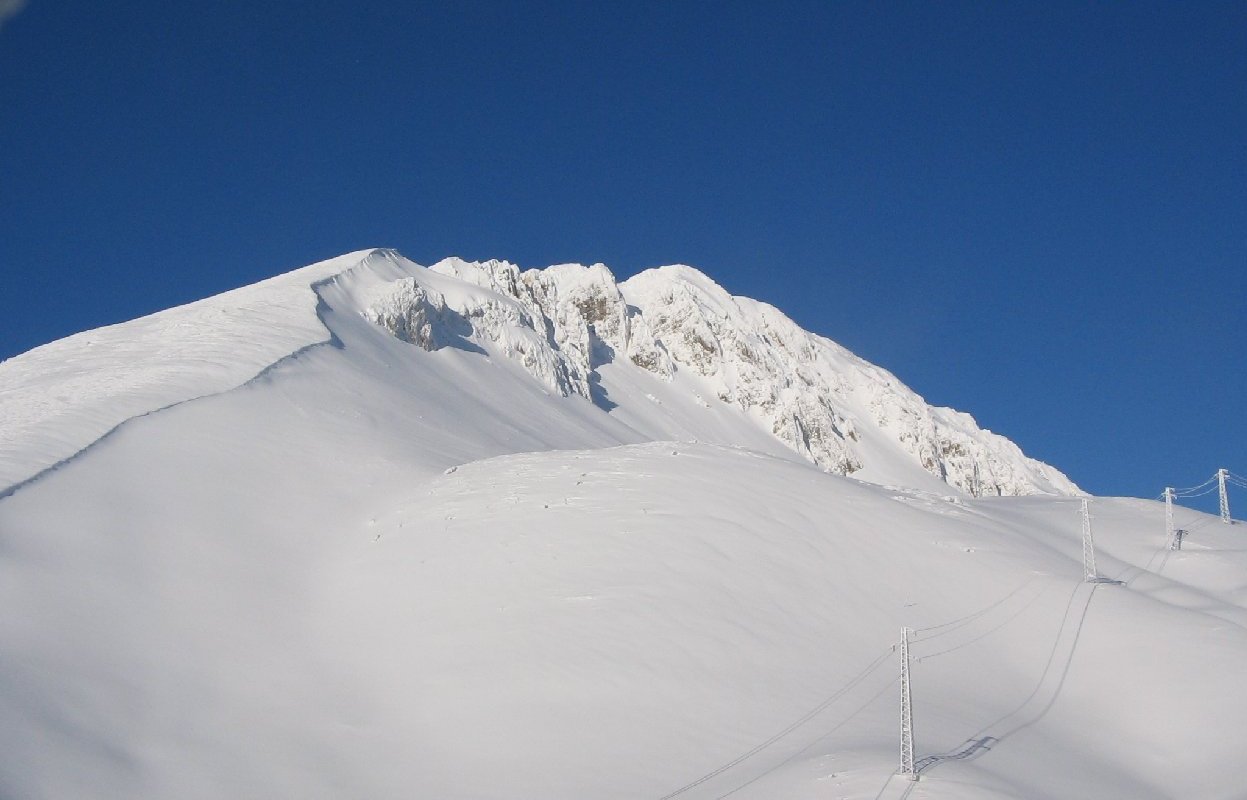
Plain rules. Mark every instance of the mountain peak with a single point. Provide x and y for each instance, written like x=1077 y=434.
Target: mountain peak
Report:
x=666 y=354
x=579 y=332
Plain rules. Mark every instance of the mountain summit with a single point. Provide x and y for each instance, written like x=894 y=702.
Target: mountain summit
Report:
x=667 y=354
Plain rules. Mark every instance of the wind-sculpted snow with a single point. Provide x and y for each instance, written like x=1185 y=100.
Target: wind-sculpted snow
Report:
x=58 y=398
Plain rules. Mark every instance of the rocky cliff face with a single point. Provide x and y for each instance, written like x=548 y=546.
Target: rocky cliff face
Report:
x=563 y=323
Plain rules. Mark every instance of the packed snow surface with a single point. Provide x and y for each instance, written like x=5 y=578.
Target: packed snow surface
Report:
x=375 y=530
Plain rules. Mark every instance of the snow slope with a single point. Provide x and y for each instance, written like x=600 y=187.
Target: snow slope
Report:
x=56 y=399
x=415 y=557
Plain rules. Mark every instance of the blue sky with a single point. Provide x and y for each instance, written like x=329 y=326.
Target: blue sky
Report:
x=1035 y=213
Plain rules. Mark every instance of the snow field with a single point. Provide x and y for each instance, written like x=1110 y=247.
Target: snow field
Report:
x=372 y=570
x=607 y=623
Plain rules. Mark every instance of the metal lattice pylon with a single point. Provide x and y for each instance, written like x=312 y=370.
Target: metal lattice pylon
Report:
x=1088 y=546
x=1171 y=535
x=907 y=714
x=1225 y=498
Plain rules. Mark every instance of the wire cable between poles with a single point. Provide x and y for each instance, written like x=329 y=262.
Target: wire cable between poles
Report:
x=960 y=622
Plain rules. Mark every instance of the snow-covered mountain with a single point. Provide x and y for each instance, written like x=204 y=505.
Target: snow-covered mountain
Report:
x=668 y=352
x=368 y=529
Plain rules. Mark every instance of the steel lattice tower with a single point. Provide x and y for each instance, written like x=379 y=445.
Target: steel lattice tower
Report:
x=1225 y=498
x=1088 y=547
x=907 y=716
x=1175 y=543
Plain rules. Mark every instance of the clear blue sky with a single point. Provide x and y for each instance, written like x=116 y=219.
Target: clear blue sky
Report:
x=1034 y=213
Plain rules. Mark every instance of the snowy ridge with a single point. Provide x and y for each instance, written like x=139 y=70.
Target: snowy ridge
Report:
x=58 y=398
x=668 y=353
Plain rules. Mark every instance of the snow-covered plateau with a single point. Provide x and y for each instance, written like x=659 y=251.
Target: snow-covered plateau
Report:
x=370 y=529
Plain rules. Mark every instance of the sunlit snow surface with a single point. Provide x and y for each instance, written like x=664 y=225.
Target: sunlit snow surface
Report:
x=342 y=565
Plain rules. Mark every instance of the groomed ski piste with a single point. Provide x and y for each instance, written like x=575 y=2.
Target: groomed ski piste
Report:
x=372 y=530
